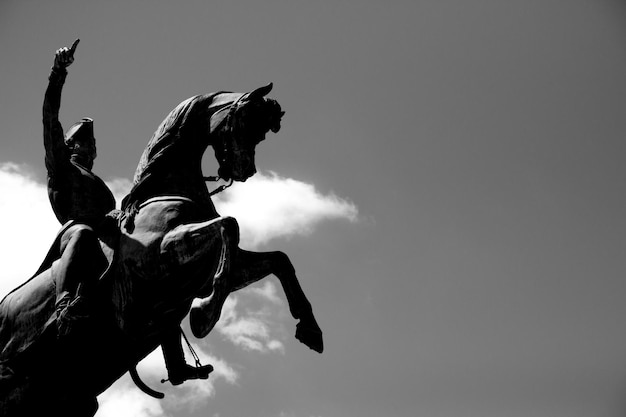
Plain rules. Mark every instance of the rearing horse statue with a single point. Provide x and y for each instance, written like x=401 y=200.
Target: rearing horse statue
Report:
x=172 y=255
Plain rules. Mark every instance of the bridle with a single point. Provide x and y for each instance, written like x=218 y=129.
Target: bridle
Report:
x=227 y=150
x=221 y=187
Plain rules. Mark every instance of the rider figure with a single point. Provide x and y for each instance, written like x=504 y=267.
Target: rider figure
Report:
x=77 y=194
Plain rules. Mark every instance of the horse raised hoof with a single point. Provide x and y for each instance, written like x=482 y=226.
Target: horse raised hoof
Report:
x=204 y=315
x=310 y=334
x=178 y=376
x=200 y=322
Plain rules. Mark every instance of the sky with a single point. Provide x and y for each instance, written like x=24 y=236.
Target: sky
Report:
x=448 y=184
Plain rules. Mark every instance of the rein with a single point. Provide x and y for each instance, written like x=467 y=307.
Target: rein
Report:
x=219 y=189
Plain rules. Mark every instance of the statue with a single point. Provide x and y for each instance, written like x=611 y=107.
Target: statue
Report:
x=78 y=195
x=167 y=254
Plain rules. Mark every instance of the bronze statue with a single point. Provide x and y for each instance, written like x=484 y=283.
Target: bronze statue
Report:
x=170 y=251
x=78 y=195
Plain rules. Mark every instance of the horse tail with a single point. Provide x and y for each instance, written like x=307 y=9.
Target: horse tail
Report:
x=142 y=385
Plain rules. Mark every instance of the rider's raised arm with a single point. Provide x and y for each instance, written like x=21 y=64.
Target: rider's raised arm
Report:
x=52 y=129
x=53 y=139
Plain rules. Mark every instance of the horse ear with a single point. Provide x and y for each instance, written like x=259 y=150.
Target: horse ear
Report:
x=261 y=92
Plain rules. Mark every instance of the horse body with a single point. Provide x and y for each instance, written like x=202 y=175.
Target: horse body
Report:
x=173 y=254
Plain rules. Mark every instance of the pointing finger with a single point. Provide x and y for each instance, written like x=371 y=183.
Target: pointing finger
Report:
x=73 y=47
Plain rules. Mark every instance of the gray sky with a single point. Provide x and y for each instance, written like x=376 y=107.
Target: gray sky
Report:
x=481 y=141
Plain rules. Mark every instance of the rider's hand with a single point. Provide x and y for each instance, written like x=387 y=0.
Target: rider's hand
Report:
x=64 y=57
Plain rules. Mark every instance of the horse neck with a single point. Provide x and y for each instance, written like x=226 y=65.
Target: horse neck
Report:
x=186 y=180
x=177 y=175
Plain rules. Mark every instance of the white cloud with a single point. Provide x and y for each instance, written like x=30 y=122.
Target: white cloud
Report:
x=267 y=291
x=28 y=225
x=276 y=345
x=250 y=330
x=119 y=187
x=270 y=206
x=123 y=400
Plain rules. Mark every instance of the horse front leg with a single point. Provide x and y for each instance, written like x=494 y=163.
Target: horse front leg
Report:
x=249 y=267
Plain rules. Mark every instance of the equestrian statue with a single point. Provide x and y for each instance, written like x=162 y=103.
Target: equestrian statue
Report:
x=116 y=284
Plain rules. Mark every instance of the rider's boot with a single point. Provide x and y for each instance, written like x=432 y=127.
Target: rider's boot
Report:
x=186 y=372
x=178 y=370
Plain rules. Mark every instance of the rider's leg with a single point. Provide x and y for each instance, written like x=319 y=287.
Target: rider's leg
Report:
x=178 y=370
x=81 y=263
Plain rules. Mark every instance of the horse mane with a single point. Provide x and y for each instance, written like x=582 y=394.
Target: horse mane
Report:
x=171 y=133
x=189 y=121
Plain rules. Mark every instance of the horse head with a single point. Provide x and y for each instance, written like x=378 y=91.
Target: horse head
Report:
x=239 y=128
x=232 y=123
